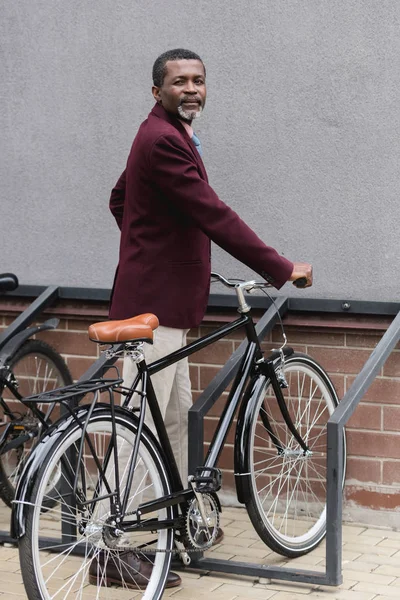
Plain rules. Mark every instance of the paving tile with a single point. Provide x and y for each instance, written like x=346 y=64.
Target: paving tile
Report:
x=250 y=592
x=352 y=529
x=11 y=578
x=250 y=534
x=295 y=588
x=10 y=588
x=240 y=542
x=364 y=548
x=343 y=595
x=383 y=590
x=380 y=532
x=221 y=555
x=391 y=543
x=287 y=596
x=388 y=570
x=225 y=578
x=196 y=594
x=371 y=568
x=374 y=577
x=241 y=554
x=348 y=584
x=347 y=556
x=360 y=565
x=234 y=531
x=307 y=561
x=370 y=540
x=236 y=514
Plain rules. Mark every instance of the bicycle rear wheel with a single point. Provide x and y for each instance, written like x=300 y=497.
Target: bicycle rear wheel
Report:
x=66 y=548
x=287 y=502
x=37 y=368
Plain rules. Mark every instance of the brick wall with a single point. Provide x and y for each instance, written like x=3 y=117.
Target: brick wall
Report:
x=341 y=344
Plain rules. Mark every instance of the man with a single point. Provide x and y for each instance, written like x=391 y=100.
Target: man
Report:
x=168 y=213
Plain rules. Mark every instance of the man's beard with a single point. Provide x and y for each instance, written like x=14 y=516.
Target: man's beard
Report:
x=189 y=115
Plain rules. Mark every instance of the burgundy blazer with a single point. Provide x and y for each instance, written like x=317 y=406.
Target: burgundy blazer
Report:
x=168 y=213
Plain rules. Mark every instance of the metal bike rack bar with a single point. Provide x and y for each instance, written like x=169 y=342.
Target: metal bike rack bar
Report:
x=336 y=423
x=213 y=391
x=46 y=298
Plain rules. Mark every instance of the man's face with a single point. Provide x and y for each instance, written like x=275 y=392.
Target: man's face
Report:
x=183 y=92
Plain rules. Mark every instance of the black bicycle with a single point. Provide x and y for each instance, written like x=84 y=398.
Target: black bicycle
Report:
x=121 y=488
x=27 y=367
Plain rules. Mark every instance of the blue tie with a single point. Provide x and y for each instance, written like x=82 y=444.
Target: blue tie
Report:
x=197 y=143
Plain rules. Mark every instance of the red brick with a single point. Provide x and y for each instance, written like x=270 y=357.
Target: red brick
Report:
x=391 y=368
x=207 y=374
x=339 y=360
x=363 y=470
x=373 y=498
x=391 y=418
x=70 y=343
x=338 y=381
x=366 y=416
x=210 y=425
x=362 y=340
x=194 y=376
x=304 y=336
x=193 y=334
x=195 y=395
x=219 y=405
x=238 y=335
x=391 y=472
x=79 y=324
x=365 y=443
x=216 y=354
x=381 y=391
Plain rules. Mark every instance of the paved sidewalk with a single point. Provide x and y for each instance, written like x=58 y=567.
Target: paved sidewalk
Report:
x=371 y=567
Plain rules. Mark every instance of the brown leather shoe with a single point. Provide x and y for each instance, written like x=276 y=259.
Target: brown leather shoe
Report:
x=219 y=538
x=127 y=569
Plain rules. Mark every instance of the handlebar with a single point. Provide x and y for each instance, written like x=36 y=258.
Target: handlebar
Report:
x=235 y=283
x=251 y=285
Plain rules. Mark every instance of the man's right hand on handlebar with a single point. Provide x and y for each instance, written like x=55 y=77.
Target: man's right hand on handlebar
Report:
x=302 y=275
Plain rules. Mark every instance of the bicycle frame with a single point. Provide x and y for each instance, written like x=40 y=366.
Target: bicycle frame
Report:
x=252 y=354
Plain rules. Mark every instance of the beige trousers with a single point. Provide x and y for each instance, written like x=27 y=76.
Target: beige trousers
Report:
x=172 y=388
x=173 y=392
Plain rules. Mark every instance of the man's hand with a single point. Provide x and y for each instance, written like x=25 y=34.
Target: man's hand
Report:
x=302 y=274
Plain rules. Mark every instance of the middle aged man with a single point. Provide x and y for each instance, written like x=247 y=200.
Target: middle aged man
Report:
x=168 y=213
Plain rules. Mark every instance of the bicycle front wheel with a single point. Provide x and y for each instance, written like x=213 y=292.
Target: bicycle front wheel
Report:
x=37 y=368
x=76 y=543
x=287 y=501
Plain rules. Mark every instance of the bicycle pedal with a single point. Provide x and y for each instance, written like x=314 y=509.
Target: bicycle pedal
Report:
x=207 y=479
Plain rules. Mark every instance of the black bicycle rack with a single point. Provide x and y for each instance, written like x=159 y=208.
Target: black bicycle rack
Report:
x=336 y=423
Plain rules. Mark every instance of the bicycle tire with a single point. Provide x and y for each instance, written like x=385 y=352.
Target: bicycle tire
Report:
x=37 y=367
x=287 y=499
x=41 y=571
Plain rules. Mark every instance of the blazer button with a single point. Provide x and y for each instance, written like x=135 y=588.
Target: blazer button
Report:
x=267 y=277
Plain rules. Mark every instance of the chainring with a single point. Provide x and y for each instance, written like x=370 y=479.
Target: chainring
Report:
x=200 y=535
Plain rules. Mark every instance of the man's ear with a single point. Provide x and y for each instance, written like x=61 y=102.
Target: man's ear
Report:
x=156 y=93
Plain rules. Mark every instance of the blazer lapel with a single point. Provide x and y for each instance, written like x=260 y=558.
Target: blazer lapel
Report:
x=160 y=112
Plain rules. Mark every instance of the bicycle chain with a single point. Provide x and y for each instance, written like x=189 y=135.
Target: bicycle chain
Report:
x=137 y=550
x=184 y=550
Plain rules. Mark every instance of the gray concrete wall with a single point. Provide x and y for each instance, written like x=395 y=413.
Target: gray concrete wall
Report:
x=301 y=130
